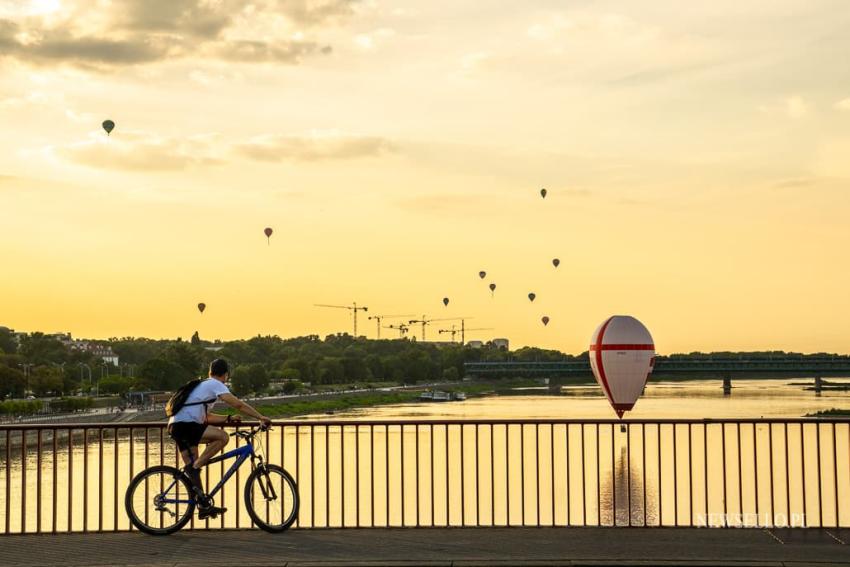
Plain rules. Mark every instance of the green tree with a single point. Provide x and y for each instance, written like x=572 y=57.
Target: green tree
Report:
x=354 y=365
x=8 y=344
x=185 y=356
x=46 y=380
x=38 y=348
x=20 y=407
x=290 y=374
x=451 y=374
x=115 y=385
x=330 y=371
x=161 y=374
x=12 y=382
x=249 y=378
x=303 y=365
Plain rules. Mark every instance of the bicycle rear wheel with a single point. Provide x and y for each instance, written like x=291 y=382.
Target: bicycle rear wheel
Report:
x=271 y=498
x=159 y=500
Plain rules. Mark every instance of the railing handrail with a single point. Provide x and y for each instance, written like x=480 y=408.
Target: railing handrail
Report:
x=429 y=422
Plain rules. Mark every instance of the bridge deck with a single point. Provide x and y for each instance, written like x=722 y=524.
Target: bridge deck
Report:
x=448 y=547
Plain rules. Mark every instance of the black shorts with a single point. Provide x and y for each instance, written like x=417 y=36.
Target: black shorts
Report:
x=186 y=434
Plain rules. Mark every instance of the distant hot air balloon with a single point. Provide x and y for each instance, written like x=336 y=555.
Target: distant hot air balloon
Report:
x=201 y=307
x=531 y=296
x=482 y=275
x=622 y=355
x=446 y=301
x=108 y=125
x=492 y=288
x=268 y=232
x=556 y=262
x=545 y=320
x=543 y=193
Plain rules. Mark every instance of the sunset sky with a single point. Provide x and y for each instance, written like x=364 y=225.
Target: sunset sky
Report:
x=696 y=155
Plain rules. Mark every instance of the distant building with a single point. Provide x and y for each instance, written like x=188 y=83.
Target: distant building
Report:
x=104 y=352
x=500 y=344
x=475 y=344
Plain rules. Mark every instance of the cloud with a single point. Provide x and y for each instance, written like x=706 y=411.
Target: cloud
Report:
x=259 y=52
x=796 y=107
x=830 y=159
x=843 y=104
x=140 y=152
x=795 y=183
x=369 y=41
x=449 y=203
x=91 y=34
x=316 y=147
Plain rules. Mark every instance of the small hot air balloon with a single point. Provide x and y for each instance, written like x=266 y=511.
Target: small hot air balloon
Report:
x=545 y=320
x=201 y=307
x=543 y=193
x=108 y=125
x=268 y=232
x=446 y=301
x=622 y=355
x=482 y=275
x=556 y=262
x=492 y=288
x=531 y=296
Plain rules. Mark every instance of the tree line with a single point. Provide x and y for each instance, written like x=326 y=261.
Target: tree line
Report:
x=261 y=361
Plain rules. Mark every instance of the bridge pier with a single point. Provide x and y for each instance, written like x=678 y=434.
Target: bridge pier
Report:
x=727 y=385
x=818 y=385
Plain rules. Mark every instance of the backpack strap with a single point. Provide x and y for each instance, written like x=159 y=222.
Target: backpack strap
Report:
x=204 y=402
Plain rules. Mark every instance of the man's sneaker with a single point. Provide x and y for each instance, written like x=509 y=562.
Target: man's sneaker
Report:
x=209 y=511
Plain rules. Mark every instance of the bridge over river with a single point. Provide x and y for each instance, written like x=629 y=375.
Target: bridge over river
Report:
x=725 y=368
x=451 y=492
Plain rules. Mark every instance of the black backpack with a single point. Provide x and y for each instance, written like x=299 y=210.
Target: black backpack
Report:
x=178 y=399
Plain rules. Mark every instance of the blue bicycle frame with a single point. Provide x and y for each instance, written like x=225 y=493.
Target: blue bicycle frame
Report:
x=240 y=453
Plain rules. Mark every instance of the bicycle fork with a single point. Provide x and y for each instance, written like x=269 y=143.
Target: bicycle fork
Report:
x=264 y=480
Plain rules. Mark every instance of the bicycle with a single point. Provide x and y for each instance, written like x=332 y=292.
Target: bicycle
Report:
x=269 y=489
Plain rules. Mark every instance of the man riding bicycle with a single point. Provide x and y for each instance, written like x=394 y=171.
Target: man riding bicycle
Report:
x=194 y=424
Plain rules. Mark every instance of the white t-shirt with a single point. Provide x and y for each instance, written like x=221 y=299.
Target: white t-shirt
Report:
x=209 y=389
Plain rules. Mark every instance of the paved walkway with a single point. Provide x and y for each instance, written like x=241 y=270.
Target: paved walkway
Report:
x=437 y=547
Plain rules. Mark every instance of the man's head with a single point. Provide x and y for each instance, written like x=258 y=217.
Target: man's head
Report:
x=219 y=369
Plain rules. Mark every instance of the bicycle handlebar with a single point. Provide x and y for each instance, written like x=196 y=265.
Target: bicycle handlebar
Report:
x=254 y=430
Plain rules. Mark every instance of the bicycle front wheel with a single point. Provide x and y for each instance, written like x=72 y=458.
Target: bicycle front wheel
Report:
x=271 y=498
x=160 y=500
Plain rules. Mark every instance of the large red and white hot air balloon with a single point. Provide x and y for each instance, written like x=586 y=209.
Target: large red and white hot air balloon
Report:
x=622 y=355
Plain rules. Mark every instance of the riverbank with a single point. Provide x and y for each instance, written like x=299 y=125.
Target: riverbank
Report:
x=331 y=403
x=834 y=412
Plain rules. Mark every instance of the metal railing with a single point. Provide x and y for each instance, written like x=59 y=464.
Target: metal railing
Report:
x=723 y=473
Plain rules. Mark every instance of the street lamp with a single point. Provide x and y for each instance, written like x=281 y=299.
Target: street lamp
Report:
x=104 y=367
x=26 y=367
x=87 y=367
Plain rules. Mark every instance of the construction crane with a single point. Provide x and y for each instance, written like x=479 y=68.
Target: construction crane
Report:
x=425 y=321
x=379 y=318
x=454 y=331
x=401 y=328
x=353 y=308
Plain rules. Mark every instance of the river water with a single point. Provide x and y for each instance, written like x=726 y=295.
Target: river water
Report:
x=737 y=474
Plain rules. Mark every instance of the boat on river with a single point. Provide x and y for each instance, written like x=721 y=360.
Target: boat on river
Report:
x=440 y=396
